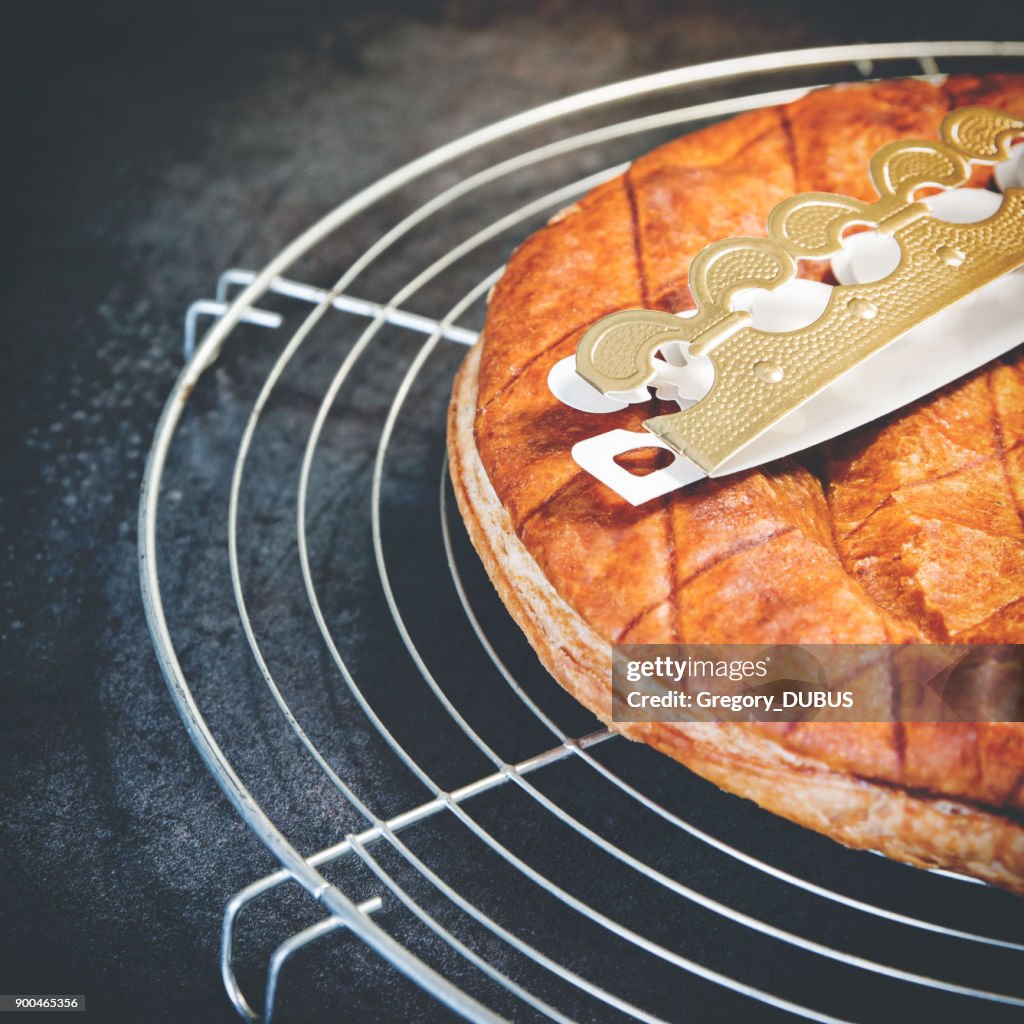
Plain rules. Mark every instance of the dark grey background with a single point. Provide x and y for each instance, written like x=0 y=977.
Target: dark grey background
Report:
x=146 y=149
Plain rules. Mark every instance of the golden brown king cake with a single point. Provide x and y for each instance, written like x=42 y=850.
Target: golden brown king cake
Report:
x=911 y=529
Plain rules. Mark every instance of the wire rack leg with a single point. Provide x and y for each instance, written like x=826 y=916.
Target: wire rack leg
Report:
x=281 y=955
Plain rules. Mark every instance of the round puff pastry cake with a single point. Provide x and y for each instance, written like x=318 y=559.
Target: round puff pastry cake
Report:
x=909 y=529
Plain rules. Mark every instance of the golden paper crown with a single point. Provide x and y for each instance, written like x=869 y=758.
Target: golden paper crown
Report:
x=761 y=376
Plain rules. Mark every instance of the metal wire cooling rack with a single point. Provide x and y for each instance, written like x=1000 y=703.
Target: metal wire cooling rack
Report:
x=358 y=692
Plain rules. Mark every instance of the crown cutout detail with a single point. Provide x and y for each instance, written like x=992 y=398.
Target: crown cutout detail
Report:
x=761 y=376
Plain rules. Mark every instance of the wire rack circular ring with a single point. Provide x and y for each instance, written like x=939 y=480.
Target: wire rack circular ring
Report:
x=355 y=689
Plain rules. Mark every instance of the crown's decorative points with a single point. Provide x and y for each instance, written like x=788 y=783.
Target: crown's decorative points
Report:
x=761 y=376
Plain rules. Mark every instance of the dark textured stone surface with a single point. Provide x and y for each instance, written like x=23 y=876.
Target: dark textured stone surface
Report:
x=149 y=149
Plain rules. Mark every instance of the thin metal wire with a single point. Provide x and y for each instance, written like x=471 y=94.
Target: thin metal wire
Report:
x=295 y=865
x=206 y=307
x=299 y=940
x=344 y=303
